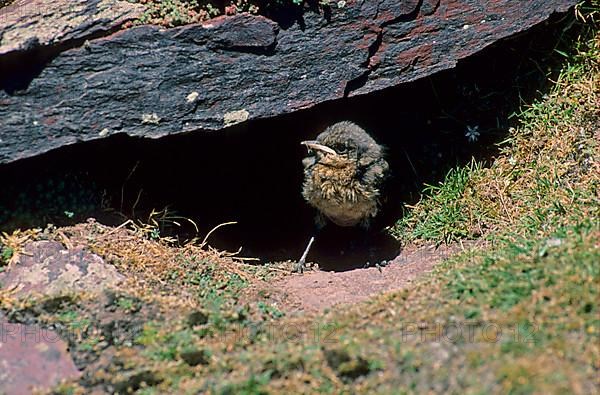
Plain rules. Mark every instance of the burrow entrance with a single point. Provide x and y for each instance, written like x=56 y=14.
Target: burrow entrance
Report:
x=252 y=173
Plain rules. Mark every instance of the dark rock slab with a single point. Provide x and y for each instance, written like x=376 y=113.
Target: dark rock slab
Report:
x=151 y=82
x=31 y=358
x=48 y=268
x=27 y=24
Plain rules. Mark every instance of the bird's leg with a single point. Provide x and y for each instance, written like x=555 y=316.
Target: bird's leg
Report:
x=301 y=265
x=320 y=223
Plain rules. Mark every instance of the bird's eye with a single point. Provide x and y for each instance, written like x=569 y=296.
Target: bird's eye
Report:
x=344 y=148
x=341 y=148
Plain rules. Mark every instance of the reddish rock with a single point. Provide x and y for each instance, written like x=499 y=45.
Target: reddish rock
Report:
x=32 y=358
x=48 y=268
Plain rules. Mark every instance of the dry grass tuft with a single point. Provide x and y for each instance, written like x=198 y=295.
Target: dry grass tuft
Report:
x=11 y=245
x=155 y=267
x=547 y=171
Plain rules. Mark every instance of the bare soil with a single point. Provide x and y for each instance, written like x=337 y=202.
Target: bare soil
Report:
x=317 y=290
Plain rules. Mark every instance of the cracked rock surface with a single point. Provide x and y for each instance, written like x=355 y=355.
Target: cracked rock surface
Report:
x=150 y=82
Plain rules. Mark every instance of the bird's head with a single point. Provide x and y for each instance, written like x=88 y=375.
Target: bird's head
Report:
x=338 y=165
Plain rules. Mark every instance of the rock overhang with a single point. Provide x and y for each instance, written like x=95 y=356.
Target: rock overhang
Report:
x=90 y=83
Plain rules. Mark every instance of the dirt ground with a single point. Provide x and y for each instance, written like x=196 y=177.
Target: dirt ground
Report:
x=315 y=291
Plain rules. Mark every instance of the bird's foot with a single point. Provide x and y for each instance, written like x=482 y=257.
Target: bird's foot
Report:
x=299 y=267
x=378 y=265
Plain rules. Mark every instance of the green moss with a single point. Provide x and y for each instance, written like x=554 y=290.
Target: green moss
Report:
x=5 y=254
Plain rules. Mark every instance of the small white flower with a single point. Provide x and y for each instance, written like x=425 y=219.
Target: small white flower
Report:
x=472 y=133
x=512 y=161
x=341 y=4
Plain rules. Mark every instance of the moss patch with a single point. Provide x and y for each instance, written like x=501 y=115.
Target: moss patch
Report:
x=180 y=12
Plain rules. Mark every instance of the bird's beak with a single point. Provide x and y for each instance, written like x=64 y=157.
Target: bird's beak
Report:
x=314 y=145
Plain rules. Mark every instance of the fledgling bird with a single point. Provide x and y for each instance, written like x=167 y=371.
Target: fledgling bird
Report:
x=343 y=176
x=344 y=173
